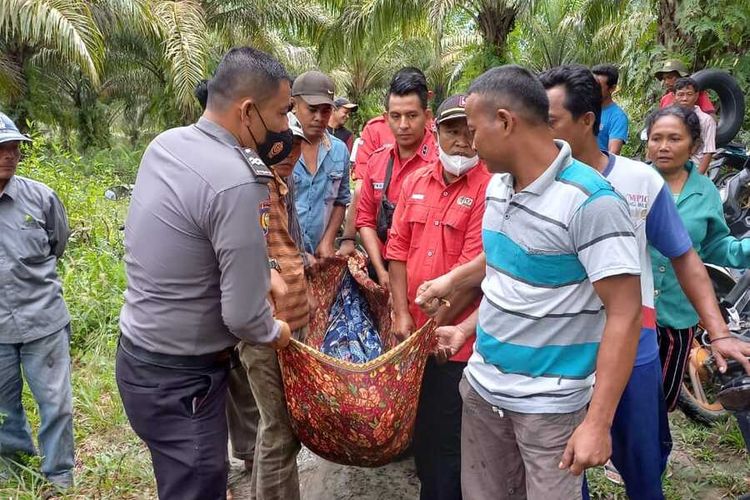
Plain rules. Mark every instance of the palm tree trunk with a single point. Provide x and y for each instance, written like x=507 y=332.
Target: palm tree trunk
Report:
x=495 y=22
x=669 y=31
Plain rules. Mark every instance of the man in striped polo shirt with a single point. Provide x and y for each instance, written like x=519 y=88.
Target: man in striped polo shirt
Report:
x=562 y=300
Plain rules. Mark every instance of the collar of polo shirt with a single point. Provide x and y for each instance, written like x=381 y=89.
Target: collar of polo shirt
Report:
x=564 y=158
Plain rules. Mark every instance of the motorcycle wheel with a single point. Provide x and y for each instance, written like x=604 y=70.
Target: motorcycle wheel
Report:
x=732 y=102
x=697 y=399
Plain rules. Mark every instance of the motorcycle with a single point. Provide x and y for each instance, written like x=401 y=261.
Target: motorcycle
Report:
x=699 y=397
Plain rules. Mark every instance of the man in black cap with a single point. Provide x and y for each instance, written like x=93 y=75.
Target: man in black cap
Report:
x=437 y=226
x=321 y=176
x=342 y=109
x=34 y=321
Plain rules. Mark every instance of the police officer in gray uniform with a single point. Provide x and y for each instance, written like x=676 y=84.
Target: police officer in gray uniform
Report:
x=197 y=271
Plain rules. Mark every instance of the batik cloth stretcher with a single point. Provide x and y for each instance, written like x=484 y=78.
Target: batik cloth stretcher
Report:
x=354 y=414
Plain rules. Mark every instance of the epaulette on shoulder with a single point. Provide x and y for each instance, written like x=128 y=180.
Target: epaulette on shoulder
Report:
x=259 y=169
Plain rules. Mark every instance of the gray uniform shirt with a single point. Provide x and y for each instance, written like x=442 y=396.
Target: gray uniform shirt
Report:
x=195 y=252
x=33 y=234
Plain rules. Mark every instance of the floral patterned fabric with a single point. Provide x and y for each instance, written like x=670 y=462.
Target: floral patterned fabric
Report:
x=354 y=414
x=352 y=334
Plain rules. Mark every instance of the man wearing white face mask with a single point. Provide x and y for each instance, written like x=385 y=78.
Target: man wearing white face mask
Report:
x=436 y=227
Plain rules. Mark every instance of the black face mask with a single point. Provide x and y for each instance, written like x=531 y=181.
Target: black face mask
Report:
x=277 y=145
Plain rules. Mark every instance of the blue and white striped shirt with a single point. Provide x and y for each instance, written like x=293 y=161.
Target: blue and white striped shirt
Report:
x=541 y=321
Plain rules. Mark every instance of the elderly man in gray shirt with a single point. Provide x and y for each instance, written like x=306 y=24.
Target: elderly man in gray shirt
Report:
x=34 y=322
x=197 y=270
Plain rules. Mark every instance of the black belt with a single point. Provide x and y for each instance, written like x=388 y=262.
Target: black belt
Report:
x=214 y=359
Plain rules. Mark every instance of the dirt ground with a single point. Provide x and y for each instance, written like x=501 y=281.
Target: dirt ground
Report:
x=703 y=466
x=324 y=480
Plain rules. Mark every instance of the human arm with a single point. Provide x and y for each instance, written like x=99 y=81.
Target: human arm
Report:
x=366 y=223
x=705 y=162
x=696 y=284
x=343 y=198
x=666 y=233
x=618 y=132
x=279 y=287
x=708 y=136
x=450 y=339
x=397 y=253
x=371 y=242
x=719 y=246
x=606 y=247
x=591 y=442
x=350 y=223
x=367 y=145
x=466 y=276
x=233 y=227
x=326 y=246
x=404 y=323
x=56 y=224
x=615 y=146
x=460 y=299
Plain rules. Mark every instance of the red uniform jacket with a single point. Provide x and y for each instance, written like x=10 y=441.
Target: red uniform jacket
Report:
x=437 y=227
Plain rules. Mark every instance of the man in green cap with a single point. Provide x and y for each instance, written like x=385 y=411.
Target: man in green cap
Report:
x=668 y=74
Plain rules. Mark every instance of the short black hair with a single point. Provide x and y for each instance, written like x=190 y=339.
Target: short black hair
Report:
x=582 y=92
x=516 y=88
x=688 y=117
x=201 y=93
x=685 y=82
x=245 y=72
x=406 y=81
x=608 y=70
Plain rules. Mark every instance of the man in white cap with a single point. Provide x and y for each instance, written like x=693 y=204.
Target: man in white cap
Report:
x=34 y=321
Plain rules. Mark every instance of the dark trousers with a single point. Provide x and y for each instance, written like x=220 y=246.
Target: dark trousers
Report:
x=180 y=414
x=437 y=432
x=641 y=440
x=243 y=415
x=674 y=350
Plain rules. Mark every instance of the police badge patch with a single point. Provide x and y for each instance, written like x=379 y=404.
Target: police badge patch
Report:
x=264 y=211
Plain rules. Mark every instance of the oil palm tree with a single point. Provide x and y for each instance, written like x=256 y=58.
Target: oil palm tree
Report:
x=64 y=30
x=493 y=19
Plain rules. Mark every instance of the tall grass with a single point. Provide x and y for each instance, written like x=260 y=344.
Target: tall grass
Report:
x=91 y=270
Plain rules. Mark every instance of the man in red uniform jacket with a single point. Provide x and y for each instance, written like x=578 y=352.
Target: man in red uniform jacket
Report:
x=437 y=226
x=376 y=134
x=414 y=147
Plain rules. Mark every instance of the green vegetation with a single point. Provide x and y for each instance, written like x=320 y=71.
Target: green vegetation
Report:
x=111 y=461
x=98 y=73
x=95 y=80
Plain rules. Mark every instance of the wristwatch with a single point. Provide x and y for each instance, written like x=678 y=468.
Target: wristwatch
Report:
x=274 y=264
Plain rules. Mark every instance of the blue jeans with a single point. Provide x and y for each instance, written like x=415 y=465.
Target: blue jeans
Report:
x=46 y=368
